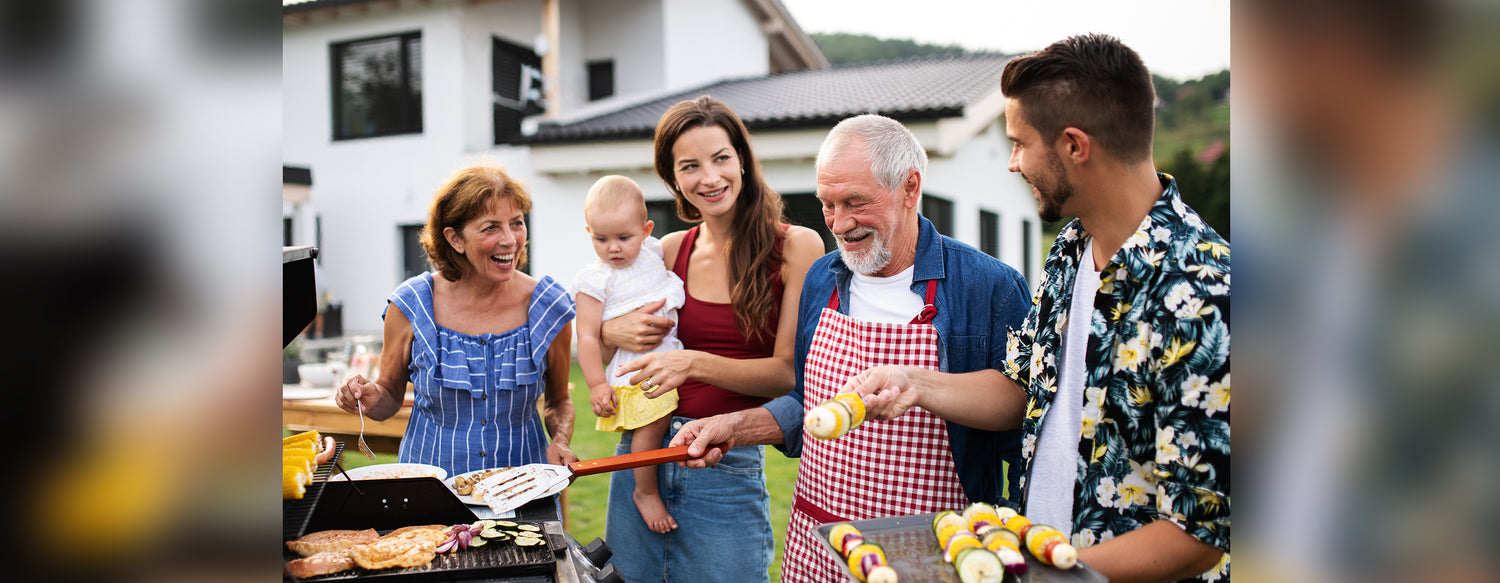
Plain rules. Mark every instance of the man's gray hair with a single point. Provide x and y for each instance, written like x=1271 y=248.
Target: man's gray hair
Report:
x=890 y=147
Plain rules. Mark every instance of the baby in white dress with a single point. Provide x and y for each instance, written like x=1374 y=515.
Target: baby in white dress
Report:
x=630 y=273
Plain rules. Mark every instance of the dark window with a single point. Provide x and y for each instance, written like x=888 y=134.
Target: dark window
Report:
x=989 y=233
x=413 y=257
x=664 y=214
x=517 y=88
x=805 y=210
x=1026 y=250
x=286 y=231
x=940 y=212
x=377 y=87
x=601 y=79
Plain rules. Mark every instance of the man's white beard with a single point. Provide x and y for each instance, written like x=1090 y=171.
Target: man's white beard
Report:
x=869 y=261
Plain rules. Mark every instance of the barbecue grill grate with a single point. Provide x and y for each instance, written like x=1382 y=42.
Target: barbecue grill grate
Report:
x=295 y=513
x=497 y=559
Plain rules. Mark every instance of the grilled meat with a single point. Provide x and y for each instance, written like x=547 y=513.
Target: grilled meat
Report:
x=401 y=551
x=331 y=540
x=435 y=533
x=320 y=564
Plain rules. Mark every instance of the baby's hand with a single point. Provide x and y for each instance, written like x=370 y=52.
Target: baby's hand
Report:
x=603 y=399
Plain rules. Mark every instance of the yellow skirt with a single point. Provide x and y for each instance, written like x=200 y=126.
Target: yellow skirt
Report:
x=636 y=410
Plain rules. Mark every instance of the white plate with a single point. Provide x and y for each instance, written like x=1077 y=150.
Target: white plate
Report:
x=388 y=471
x=302 y=392
x=466 y=499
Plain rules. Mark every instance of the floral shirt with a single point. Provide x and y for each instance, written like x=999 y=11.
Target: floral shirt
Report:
x=1155 y=438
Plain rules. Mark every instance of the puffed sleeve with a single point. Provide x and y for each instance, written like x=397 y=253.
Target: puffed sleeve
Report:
x=592 y=280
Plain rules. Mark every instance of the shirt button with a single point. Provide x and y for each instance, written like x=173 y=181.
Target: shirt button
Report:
x=484 y=397
x=484 y=422
x=481 y=454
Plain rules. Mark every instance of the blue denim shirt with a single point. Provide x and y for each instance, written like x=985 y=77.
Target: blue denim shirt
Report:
x=975 y=309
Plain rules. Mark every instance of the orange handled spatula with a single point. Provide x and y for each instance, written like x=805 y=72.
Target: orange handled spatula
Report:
x=508 y=490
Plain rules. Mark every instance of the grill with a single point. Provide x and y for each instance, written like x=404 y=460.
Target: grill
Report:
x=496 y=559
x=295 y=513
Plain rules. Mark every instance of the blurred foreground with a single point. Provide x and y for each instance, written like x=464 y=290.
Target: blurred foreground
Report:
x=1365 y=176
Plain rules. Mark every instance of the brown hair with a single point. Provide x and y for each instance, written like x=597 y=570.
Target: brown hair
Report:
x=1092 y=82
x=752 y=246
x=460 y=200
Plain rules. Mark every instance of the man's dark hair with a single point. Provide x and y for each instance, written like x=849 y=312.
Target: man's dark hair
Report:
x=1092 y=82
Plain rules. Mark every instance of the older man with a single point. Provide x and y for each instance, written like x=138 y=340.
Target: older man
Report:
x=896 y=292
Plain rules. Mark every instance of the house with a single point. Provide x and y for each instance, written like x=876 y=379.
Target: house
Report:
x=385 y=99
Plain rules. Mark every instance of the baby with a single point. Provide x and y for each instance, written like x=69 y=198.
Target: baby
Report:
x=629 y=274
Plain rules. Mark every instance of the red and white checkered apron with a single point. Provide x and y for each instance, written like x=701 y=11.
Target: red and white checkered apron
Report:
x=881 y=468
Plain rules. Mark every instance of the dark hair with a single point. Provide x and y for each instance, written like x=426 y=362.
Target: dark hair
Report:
x=460 y=200
x=752 y=246
x=1091 y=82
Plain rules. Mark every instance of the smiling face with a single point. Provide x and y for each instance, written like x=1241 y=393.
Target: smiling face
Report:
x=492 y=241
x=867 y=220
x=707 y=170
x=617 y=233
x=1038 y=163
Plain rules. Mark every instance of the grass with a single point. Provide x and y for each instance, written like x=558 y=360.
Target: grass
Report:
x=1194 y=134
x=589 y=497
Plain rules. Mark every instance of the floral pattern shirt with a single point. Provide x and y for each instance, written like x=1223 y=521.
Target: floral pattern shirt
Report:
x=1155 y=438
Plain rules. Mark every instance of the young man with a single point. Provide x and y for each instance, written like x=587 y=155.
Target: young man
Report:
x=1119 y=378
x=896 y=291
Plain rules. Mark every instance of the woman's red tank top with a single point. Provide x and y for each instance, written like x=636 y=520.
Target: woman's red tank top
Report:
x=709 y=327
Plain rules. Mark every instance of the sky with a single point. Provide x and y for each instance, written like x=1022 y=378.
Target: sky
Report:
x=1181 y=39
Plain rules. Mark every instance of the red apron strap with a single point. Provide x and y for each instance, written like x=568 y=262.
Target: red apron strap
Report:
x=929 y=310
x=924 y=317
x=818 y=515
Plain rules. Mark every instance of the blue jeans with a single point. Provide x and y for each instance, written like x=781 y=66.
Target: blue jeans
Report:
x=723 y=520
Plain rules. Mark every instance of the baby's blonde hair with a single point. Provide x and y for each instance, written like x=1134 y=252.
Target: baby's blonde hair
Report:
x=615 y=191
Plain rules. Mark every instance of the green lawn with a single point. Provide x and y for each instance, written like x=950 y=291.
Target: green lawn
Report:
x=588 y=497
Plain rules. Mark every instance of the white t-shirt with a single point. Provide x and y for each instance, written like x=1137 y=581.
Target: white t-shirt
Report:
x=888 y=300
x=1054 y=469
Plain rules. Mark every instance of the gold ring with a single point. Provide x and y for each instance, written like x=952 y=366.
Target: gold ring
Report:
x=648 y=384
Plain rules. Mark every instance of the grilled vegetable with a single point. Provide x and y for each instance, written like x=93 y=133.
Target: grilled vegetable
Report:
x=978 y=566
x=856 y=405
x=977 y=508
x=827 y=421
x=961 y=540
x=866 y=559
x=1006 y=545
x=1050 y=546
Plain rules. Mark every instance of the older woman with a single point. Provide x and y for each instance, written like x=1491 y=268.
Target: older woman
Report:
x=743 y=268
x=479 y=344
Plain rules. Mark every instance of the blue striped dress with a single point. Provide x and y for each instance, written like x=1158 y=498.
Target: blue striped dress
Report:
x=475 y=402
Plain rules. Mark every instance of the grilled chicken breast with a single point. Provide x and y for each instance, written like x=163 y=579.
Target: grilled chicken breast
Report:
x=331 y=540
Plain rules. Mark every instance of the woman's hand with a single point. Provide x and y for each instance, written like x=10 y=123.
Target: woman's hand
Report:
x=887 y=390
x=357 y=389
x=659 y=372
x=560 y=454
x=603 y=399
x=638 y=331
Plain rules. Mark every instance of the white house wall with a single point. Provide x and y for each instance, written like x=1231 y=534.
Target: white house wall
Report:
x=709 y=40
x=631 y=33
x=975 y=178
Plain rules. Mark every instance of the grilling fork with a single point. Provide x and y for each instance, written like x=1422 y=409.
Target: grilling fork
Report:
x=513 y=488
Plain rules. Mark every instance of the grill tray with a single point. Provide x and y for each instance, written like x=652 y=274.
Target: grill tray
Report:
x=496 y=559
x=912 y=550
x=295 y=513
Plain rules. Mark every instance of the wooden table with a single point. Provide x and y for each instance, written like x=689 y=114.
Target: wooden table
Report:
x=326 y=417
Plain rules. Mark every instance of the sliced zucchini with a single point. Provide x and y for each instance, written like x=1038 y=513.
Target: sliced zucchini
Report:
x=505 y=523
x=490 y=533
x=976 y=565
x=527 y=541
x=478 y=542
x=530 y=527
x=977 y=508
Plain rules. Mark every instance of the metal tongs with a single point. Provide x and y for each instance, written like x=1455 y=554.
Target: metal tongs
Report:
x=513 y=488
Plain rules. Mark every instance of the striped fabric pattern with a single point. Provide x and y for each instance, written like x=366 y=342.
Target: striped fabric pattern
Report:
x=475 y=396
